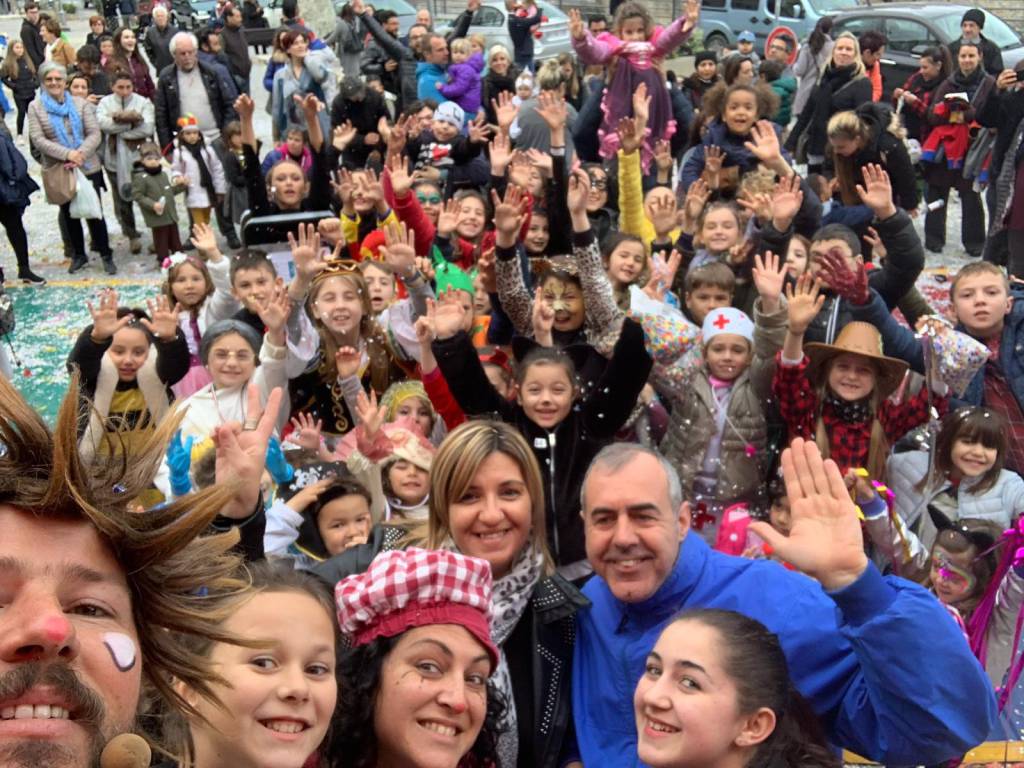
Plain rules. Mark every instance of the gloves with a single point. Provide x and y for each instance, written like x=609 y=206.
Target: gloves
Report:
x=280 y=470
x=179 y=460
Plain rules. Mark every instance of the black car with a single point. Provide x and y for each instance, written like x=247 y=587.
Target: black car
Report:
x=912 y=27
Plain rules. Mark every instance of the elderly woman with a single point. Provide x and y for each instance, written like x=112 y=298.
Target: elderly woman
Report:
x=65 y=131
x=58 y=50
x=297 y=77
x=487 y=501
x=128 y=58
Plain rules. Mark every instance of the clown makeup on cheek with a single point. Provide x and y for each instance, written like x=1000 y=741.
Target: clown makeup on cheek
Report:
x=122 y=650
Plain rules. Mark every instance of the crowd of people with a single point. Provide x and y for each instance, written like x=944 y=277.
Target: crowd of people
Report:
x=496 y=412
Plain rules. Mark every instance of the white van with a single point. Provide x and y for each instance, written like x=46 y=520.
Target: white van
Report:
x=723 y=20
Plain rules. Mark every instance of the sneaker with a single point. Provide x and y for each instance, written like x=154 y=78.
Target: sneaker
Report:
x=135 y=244
x=28 y=277
x=77 y=263
x=108 y=265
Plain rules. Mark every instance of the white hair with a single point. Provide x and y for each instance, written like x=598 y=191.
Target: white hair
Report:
x=173 y=44
x=160 y=10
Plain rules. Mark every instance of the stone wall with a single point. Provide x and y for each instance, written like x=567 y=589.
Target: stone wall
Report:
x=1010 y=11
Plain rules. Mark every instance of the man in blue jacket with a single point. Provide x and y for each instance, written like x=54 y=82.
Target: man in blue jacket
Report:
x=878 y=658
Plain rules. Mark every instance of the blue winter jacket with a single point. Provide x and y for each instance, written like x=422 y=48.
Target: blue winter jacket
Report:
x=427 y=78
x=882 y=662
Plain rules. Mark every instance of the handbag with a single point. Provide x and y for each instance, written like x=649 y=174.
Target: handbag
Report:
x=58 y=184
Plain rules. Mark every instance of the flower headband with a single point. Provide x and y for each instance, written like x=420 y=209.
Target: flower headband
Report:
x=174 y=260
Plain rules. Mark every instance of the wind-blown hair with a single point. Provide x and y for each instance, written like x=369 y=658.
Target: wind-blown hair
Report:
x=180 y=580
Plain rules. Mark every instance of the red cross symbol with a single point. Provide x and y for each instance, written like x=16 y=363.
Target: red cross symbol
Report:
x=721 y=322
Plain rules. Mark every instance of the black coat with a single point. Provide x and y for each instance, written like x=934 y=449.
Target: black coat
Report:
x=890 y=152
x=237 y=49
x=25 y=85
x=565 y=453
x=16 y=186
x=33 y=41
x=168 y=102
x=991 y=56
x=827 y=102
x=365 y=116
x=157 y=45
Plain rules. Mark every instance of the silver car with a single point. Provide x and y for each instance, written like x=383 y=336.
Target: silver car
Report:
x=491 y=21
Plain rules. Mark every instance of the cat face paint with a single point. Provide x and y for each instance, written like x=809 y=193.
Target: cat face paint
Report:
x=122 y=650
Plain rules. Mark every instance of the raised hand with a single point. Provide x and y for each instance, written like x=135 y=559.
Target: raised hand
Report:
x=696 y=198
x=204 y=240
x=245 y=107
x=398 y=135
x=576 y=27
x=371 y=416
x=662 y=213
x=663 y=156
x=692 y=14
x=274 y=315
x=370 y=185
x=740 y=253
x=542 y=161
x=851 y=284
x=447 y=314
x=579 y=191
x=551 y=107
x=543 y=319
x=641 y=107
x=344 y=186
x=401 y=180
x=509 y=212
x=876 y=193
x=478 y=131
x=242 y=452
x=631 y=135
x=399 y=249
x=505 y=110
x=425 y=267
x=787 y=197
x=105 y=322
x=306 y=431
x=759 y=204
x=501 y=153
x=306 y=253
x=448 y=218
x=347 y=361
x=713 y=158
x=329 y=230
x=164 y=322
x=310 y=104
x=486 y=272
x=878 y=249
x=342 y=135
x=519 y=169
x=764 y=145
x=804 y=302
x=424 y=328
x=769 y=276
x=825 y=540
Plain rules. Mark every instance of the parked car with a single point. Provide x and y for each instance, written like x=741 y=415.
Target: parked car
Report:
x=913 y=26
x=272 y=13
x=491 y=21
x=723 y=20
x=192 y=15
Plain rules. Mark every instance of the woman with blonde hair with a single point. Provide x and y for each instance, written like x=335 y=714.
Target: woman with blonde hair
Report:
x=487 y=501
x=842 y=86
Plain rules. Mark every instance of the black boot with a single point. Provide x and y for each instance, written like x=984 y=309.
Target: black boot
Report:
x=28 y=277
x=108 y=264
x=78 y=261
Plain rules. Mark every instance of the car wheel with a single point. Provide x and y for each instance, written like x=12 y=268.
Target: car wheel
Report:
x=715 y=42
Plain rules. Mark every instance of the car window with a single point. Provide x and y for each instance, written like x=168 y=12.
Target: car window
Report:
x=488 y=17
x=713 y=4
x=855 y=25
x=824 y=7
x=745 y=5
x=905 y=35
x=788 y=9
x=995 y=29
x=400 y=7
x=554 y=13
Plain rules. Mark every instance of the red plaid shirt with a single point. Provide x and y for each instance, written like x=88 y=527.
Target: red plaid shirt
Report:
x=998 y=396
x=848 y=443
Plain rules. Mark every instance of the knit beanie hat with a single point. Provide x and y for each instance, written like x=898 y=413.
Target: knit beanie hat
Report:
x=976 y=15
x=452 y=113
x=704 y=56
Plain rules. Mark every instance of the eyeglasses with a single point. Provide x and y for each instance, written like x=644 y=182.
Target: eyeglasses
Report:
x=242 y=356
x=781 y=48
x=55 y=79
x=432 y=199
x=599 y=183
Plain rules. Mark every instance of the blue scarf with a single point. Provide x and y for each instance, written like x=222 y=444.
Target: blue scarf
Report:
x=57 y=113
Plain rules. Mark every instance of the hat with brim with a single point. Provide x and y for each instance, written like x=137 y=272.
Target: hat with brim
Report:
x=858 y=339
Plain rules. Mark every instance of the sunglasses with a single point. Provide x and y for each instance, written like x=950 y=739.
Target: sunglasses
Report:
x=431 y=199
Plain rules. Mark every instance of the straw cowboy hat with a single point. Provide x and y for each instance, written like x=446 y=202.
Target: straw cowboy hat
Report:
x=858 y=339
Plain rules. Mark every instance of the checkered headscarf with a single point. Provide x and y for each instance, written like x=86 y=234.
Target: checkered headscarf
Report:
x=414 y=587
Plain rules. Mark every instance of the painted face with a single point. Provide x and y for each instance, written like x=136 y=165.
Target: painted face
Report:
x=720 y=230
x=288 y=185
x=429 y=198
x=727 y=356
x=471 y=220
x=381 y=287
x=686 y=703
x=547 y=394
x=128 y=351
x=67 y=639
x=626 y=263
x=632 y=531
x=537 y=234
x=707 y=69
x=414 y=408
x=443 y=130
x=344 y=522
x=188 y=286
x=409 y=484
x=279 y=698
x=740 y=112
x=231 y=362
x=844 y=52
x=492 y=520
x=951 y=575
x=339 y=306
x=796 y=258
x=972 y=458
x=566 y=299
x=779 y=515
x=852 y=377
x=254 y=286
x=982 y=303
x=500 y=64
x=705 y=298
x=433 y=697
x=633 y=30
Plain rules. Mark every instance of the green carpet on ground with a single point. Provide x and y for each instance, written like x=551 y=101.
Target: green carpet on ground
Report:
x=49 y=320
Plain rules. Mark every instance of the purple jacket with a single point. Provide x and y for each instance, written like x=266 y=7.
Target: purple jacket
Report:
x=464 y=83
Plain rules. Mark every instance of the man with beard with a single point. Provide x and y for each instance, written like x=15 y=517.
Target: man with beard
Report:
x=93 y=622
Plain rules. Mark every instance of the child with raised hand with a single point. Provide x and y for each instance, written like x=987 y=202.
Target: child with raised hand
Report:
x=633 y=51
x=564 y=429
x=839 y=394
x=718 y=436
x=127 y=362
